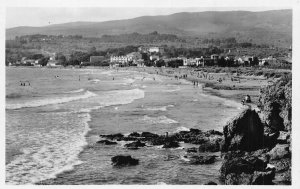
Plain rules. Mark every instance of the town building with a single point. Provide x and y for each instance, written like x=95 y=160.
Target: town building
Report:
x=151 y=49
x=192 y=61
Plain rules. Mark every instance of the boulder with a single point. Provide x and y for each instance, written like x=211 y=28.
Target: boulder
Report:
x=263 y=178
x=280 y=151
x=149 y=135
x=135 y=145
x=134 y=134
x=121 y=160
x=201 y=159
x=213 y=132
x=117 y=136
x=171 y=144
x=244 y=132
x=106 y=142
x=210 y=146
x=238 y=163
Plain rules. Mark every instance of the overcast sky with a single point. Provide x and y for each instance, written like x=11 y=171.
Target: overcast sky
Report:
x=35 y=16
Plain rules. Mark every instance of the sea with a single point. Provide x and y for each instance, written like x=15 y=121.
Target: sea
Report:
x=54 y=122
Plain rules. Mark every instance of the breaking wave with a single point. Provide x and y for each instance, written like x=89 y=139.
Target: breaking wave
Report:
x=44 y=102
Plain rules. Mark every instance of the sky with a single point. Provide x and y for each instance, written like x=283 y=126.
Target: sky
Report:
x=42 y=16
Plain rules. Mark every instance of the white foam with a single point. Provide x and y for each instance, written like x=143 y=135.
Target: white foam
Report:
x=159 y=120
x=76 y=91
x=51 y=101
x=45 y=161
x=182 y=129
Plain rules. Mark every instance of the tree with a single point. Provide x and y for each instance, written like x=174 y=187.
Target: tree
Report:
x=61 y=58
x=222 y=62
x=44 y=61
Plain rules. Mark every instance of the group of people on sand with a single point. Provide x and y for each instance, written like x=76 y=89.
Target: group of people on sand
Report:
x=23 y=83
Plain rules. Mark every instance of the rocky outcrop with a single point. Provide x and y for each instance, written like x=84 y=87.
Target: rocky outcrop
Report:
x=270 y=136
x=280 y=151
x=242 y=168
x=121 y=160
x=106 y=142
x=275 y=103
x=244 y=132
x=200 y=159
x=135 y=145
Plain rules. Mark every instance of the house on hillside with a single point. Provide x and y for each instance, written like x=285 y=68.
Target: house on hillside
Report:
x=214 y=58
x=191 y=61
x=135 y=57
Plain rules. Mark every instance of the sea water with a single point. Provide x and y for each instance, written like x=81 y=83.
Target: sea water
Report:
x=52 y=126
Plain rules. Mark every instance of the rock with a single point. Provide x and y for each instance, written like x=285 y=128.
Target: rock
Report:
x=244 y=132
x=238 y=179
x=237 y=163
x=283 y=137
x=117 y=136
x=135 y=145
x=281 y=165
x=210 y=183
x=171 y=144
x=121 y=160
x=199 y=159
x=263 y=178
x=280 y=151
x=192 y=150
x=149 y=135
x=210 y=146
x=275 y=102
x=213 y=132
x=134 y=134
x=157 y=141
x=106 y=142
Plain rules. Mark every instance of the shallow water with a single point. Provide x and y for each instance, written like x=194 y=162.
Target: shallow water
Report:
x=52 y=126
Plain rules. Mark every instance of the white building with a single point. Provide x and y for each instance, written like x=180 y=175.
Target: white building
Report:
x=192 y=61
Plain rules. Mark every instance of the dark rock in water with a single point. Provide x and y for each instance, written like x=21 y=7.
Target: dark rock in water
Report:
x=149 y=135
x=171 y=144
x=210 y=183
x=117 y=136
x=213 y=132
x=136 y=144
x=195 y=131
x=199 y=160
x=121 y=160
x=157 y=141
x=106 y=142
x=210 y=146
x=129 y=138
x=244 y=132
x=192 y=150
x=134 y=134
x=280 y=151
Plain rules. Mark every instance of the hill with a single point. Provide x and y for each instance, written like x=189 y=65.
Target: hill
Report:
x=258 y=27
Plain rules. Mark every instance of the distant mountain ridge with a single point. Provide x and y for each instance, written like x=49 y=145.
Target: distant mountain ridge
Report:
x=274 y=25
